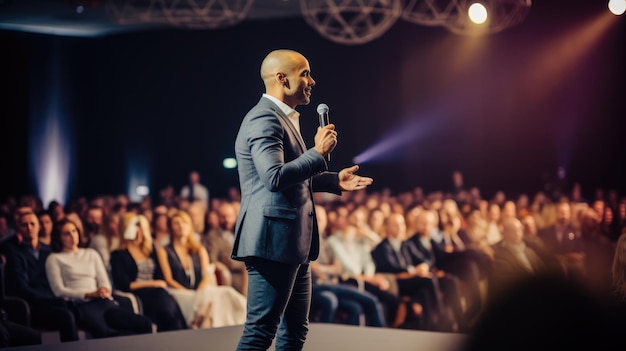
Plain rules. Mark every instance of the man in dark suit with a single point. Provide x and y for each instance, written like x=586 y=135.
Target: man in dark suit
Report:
x=26 y=278
x=415 y=281
x=276 y=233
x=513 y=259
x=564 y=241
x=424 y=249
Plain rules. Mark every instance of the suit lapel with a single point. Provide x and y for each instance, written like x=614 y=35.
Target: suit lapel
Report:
x=399 y=260
x=289 y=125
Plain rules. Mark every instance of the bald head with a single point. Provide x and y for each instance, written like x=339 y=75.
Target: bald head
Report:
x=286 y=75
x=395 y=226
x=512 y=230
x=277 y=61
x=425 y=222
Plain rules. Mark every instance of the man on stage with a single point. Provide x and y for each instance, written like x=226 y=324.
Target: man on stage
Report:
x=276 y=232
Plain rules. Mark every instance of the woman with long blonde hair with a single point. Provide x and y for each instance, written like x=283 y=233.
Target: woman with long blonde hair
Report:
x=191 y=279
x=135 y=269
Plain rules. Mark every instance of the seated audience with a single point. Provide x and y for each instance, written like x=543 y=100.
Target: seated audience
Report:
x=424 y=249
x=191 y=280
x=135 y=269
x=563 y=240
x=78 y=275
x=26 y=278
x=329 y=295
x=160 y=231
x=46 y=227
x=219 y=244
x=513 y=259
x=358 y=269
x=415 y=282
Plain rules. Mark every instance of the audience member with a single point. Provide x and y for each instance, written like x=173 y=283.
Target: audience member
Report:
x=424 y=249
x=563 y=240
x=329 y=295
x=195 y=190
x=414 y=281
x=160 y=230
x=219 y=244
x=513 y=259
x=78 y=275
x=26 y=278
x=191 y=280
x=197 y=210
x=56 y=210
x=135 y=269
x=358 y=269
x=46 y=227
x=493 y=224
x=598 y=253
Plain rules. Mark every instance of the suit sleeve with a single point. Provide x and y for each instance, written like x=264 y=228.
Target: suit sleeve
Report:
x=18 y=269
x=326 y=182
x=265 y=135
x=383 y=263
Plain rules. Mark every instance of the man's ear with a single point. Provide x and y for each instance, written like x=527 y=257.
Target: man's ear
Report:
x=282 y=79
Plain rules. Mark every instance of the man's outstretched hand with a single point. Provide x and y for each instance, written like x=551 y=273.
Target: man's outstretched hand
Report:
x=349 y=181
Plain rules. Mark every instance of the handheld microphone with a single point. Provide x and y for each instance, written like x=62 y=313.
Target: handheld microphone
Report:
x=322 y=110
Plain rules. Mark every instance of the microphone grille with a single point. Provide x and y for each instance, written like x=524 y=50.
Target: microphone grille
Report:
x=322 y=109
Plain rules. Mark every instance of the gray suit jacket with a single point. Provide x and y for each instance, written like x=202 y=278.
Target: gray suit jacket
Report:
x=277 y=176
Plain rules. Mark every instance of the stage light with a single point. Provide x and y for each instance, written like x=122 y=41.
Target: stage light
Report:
x=138 y=175
x=229 y=163
x=617 y=7
x=51 y=157
x=392 y=145
x=51 y=139
x=142 y=190
x=477 y=12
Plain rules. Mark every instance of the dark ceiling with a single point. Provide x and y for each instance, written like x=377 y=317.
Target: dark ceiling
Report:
x=89 y=17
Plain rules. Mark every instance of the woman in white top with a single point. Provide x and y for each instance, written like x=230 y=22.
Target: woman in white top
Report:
x=191 y=279
x=78 y=275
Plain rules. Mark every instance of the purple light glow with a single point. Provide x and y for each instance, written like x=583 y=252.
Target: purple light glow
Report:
x=393 y=145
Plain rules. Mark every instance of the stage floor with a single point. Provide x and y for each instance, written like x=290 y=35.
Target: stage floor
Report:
x=322 y=337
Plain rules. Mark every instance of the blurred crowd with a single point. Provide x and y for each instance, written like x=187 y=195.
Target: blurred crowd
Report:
x=407 y=259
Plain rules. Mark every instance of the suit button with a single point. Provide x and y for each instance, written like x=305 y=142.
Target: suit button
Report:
x=311 y=214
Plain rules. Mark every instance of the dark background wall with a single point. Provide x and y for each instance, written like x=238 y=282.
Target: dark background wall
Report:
x=506 y=110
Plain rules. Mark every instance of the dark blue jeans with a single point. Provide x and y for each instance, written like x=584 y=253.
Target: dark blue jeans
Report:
x=354 y=302
x=279 y=298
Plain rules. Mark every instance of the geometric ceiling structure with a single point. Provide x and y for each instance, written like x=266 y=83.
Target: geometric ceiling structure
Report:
x=192 y=14
x=433 y=12
x=351 y=22
x=503 y=14
x=453 y=14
